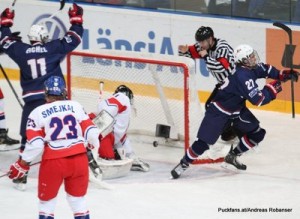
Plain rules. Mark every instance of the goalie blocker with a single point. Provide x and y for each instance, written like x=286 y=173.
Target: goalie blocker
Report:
x=104 y=121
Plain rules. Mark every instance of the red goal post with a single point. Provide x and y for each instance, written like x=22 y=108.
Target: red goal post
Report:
x=164 y=87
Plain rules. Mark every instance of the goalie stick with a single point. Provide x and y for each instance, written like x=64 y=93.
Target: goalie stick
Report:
x=101 y=87
x=98 y=183
x=104 y=120
x=290 y=35
x=95 y=172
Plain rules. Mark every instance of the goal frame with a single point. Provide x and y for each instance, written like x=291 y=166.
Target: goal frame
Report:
x=124 y=56
x=143 y=60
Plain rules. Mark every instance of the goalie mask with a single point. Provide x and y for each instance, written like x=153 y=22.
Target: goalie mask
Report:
x=245 y=55
x=126 y=90
x=38 y=33
x=55 y=86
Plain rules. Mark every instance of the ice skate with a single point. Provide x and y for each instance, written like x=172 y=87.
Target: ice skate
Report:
x=139 y=165
x=179 y=169
x=231 y=158
x=5 y=139
x=20 y=184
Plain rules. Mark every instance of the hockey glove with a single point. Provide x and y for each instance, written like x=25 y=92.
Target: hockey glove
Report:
x=7 y=18
x=75 y=14
x=286 y=75
x=15 y=36
x=18 y=170
x=274 y=87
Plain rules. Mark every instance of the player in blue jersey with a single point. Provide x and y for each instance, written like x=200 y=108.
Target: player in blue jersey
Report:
x=4 y=138
x=40 y=59
x=219 y=60
x=229 y=104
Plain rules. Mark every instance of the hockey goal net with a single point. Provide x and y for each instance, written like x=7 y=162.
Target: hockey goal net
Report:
x=166 y=101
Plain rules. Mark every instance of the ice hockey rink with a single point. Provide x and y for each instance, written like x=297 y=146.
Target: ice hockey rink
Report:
x=270 y=188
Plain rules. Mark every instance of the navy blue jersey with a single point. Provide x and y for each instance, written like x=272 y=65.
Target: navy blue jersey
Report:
x=39 y=61
x=242 y=86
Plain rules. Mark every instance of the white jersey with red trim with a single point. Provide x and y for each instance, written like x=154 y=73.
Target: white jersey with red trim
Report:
x=59 y=129
x=118 y=105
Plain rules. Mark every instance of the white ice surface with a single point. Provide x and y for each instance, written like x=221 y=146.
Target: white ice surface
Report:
x=272 y=180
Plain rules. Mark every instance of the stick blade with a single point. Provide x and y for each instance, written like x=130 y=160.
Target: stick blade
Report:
x=62 y=4
x=282 y=26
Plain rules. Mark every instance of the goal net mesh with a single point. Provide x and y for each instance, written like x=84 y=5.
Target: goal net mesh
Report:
x=164 y=88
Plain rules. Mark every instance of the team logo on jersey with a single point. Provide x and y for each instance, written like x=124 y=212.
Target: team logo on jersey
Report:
x=55 y=26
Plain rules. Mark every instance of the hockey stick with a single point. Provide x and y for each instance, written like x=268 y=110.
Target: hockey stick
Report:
x=33 y=164
x=13 y=5
x=62 y=5
x=101 y=87
x=99 y=183
x=3 y=175
x=11 y=86
x=290 y=34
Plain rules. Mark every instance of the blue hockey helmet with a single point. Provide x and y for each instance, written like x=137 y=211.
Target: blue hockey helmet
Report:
x=55 y=86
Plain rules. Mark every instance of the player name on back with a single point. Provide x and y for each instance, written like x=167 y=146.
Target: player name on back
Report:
x=57 y=109
x=36 y=49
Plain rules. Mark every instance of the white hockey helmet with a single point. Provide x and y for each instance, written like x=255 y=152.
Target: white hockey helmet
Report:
x=246 y=55
x=39 y=33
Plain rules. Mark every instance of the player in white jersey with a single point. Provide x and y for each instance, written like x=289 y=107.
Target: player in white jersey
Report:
x=219 y=59
x=59 y=130
x=116 y=144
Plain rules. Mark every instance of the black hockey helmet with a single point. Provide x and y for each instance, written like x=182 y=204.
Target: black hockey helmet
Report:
x=126 y=90
x=204 y=33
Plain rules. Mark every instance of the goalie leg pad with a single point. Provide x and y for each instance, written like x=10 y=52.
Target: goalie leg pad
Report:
x=114 y=168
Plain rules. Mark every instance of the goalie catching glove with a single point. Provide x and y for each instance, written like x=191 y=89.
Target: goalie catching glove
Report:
x=18 y=170
x=75 y=14
x=7 y=18
x=286 y=75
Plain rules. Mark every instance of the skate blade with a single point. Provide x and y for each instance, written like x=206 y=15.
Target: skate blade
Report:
x=20 y=186
x=4 y=148
x=230 y=167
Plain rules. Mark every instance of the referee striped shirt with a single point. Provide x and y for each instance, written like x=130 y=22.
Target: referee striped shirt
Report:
x=220 y=60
